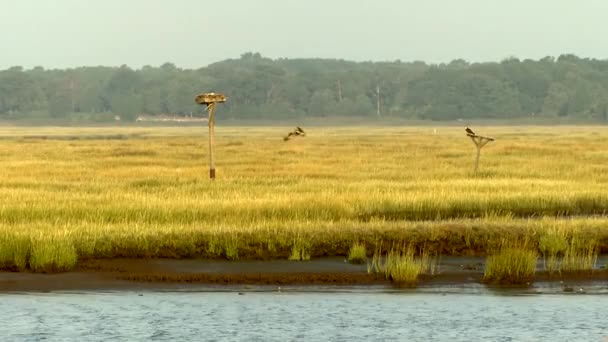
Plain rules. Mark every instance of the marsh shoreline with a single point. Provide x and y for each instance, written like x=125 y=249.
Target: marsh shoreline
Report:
x=332 y=272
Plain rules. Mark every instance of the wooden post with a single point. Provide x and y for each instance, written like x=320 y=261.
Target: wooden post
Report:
x=477 y=158
x=210 y=100
x=211 y=109
x=479 y=142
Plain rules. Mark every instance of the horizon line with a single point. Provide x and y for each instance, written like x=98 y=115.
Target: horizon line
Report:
x=257 y=55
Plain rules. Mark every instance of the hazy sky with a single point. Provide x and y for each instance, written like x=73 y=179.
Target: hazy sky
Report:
x=194 y=33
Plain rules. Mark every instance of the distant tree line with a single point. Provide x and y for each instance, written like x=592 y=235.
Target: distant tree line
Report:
x=258 y=87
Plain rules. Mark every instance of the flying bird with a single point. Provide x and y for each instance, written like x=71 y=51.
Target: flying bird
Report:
x=469 y=131
x=297 y=132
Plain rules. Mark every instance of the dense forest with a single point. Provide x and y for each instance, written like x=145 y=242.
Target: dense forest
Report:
x=259 y=87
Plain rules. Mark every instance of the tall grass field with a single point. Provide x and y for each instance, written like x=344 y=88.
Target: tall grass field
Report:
x=68 y=194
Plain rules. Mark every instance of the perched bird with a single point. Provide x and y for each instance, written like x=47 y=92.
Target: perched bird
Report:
x=469 y=131
x=297 y=132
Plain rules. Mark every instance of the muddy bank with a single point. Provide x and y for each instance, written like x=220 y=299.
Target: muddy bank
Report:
x=136 y=274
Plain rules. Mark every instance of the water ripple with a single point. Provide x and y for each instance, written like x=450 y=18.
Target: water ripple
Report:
x=260 y=316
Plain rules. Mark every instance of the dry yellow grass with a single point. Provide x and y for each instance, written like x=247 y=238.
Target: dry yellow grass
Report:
x=144 y=192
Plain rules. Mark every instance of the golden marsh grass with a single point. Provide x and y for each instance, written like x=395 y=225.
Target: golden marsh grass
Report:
x=144 y=192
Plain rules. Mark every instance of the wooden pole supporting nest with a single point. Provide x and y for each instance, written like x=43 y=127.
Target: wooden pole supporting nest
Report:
x=210 y=100
x=480 y=142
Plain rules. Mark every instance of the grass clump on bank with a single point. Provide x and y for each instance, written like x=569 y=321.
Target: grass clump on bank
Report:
x=300 y=251
x=401 y=266
x=231 y=249
x=38 y=252
x=50 y=255
x=552 y=245
x=568 y=251
x=580 y=256
x=512 y=265
x=357 y=254
x=14 y=252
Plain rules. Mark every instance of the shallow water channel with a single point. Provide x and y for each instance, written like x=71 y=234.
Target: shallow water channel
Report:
x=348 y=315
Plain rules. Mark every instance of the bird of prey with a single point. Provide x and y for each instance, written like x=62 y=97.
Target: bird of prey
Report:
x=297 y=132
x=469 y=131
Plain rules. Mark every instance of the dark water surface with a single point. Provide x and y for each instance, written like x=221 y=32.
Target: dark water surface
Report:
x=301 y=316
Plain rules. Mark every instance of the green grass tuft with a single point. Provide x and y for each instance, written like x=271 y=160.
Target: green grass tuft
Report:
x=511 y=266
x=581 y=255
x=52 y=254
x=402 y=267
x=357 y=254
x=231 y=249
x=300 y=251
x=552 y=245
x=14 y=252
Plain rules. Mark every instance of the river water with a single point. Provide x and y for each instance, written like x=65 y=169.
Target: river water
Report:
x=301 y=316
